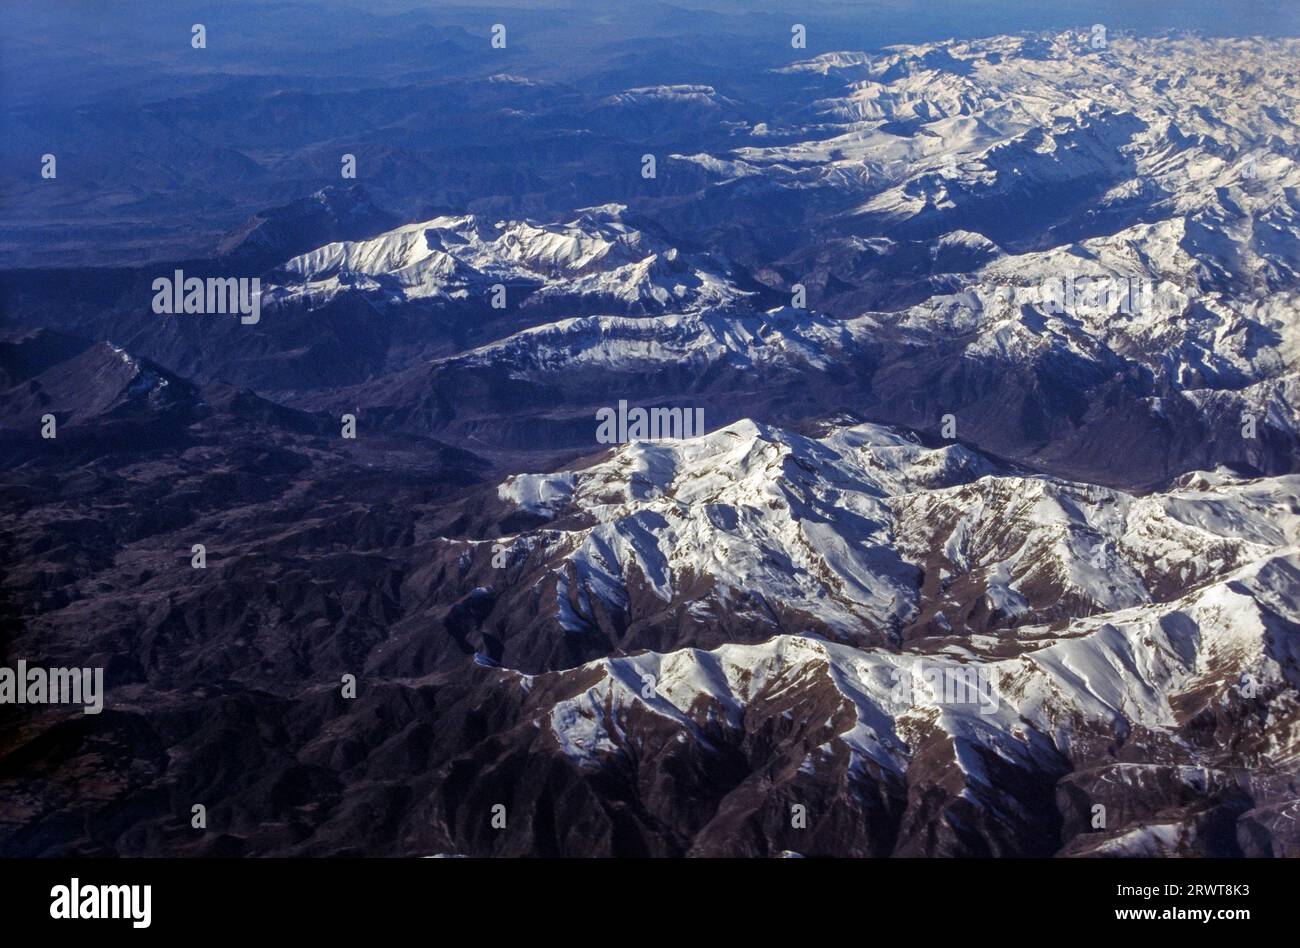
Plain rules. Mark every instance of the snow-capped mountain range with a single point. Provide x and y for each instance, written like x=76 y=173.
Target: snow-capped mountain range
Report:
x=1104 y=632
x=1063 y=226
x=857 y=528
x=994 y=520
x=597 y=254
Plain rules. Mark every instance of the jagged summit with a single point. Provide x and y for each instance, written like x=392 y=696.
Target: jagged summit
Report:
x=595 y=254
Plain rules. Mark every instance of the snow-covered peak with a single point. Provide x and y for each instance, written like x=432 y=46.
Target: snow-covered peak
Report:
x=596 y=253
x=1138 y=671
x=866 y=528
x=676 y=94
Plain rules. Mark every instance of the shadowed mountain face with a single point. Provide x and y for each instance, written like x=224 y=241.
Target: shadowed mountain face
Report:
x=904 y=462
